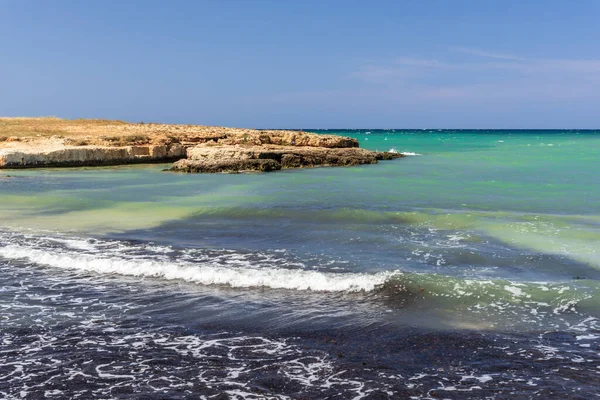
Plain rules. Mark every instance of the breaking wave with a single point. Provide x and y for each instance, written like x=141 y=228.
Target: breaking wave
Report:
x=404 y=153
x=491 y=301
x=232 y=269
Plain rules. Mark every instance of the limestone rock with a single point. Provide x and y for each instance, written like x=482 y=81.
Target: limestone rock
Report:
x=237 y=158
x=87 y=156
x=55 y=142
x=289 y=138
x=227 y=165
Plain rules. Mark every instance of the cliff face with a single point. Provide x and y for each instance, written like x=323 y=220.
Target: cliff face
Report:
x=89 y=156
x=50 y=142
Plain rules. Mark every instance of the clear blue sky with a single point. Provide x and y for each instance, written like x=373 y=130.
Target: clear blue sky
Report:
x=302 y=63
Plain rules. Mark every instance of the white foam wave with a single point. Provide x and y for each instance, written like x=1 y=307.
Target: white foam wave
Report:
x=242 y=275
x=404 y=153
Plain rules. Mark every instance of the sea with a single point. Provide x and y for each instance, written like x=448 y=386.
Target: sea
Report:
x=468 y=269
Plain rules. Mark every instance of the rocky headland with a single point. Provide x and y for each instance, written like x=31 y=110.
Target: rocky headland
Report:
x=55 y=142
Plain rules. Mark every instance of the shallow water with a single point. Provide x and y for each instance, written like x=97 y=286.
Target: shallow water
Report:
x=469 y=270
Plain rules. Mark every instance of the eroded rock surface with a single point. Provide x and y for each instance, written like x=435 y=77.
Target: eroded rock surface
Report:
x=238 y=158
x=89 y=156
x=52 y=142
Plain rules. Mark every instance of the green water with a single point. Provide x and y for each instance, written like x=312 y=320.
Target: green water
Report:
x=537 y=190
x=470 y=217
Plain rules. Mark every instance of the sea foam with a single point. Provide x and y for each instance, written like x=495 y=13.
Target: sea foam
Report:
x=236 y=273
x=404 y=153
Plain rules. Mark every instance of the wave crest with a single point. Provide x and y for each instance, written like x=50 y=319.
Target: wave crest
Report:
x=236 y=272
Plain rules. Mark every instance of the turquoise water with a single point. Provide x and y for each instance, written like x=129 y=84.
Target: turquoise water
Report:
x=475 y=232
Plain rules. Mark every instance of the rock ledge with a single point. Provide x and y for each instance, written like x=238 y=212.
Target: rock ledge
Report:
x=240 y=158
x=55 y=142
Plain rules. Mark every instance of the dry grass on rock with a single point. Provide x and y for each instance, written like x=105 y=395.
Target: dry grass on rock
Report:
x=115 y=133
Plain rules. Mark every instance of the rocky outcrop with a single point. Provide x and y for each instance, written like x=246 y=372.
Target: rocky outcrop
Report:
x=288 y=138
x=55 y=142
x=240 y=158
x=89 y=156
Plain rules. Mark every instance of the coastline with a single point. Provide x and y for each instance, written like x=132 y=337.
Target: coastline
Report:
x=453 y=267
x=55 y=142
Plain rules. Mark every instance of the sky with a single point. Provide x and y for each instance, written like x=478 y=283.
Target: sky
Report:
x=303 y=63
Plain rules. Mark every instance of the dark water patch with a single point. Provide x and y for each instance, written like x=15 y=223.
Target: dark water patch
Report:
x=173 y=363
x=281 y=289
x=367 y=246
x=76 y=335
